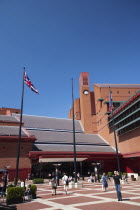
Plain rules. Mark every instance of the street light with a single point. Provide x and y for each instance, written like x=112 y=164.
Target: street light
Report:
x=56 y=172
x=5 y=177
x=96 y=170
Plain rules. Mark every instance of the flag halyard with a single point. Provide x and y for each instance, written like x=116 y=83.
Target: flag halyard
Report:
x=28 y=82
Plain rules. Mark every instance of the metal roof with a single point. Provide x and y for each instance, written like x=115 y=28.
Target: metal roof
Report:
x=55 y=134
x=69 y=148
x=8 y=118
x=11 y=131
x=31 y=121
x=66 y=137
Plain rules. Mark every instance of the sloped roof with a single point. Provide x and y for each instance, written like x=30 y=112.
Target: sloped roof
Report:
x=52 y=137
x=54 y=134
x=8 y=118
x=31 y=121
x=11 y=131
x=69 y=148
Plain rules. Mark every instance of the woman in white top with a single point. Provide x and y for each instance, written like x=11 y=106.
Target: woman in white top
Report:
x=22 y=183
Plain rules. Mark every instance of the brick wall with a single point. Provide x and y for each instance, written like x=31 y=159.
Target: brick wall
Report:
x=8 y=111
x=8 y=155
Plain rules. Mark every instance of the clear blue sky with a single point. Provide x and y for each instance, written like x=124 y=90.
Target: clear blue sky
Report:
x=56 y=40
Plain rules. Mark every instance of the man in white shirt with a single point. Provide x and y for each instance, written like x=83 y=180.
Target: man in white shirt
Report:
x=65 y=183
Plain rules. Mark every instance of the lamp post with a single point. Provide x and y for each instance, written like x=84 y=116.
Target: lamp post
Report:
x=96 y=170
x=116 y=146
x=40 y=168
x=114 y=130
x=56 y=172
x=6 y=176
x=74 y=143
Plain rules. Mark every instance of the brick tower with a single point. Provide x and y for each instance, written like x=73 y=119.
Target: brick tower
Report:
x=88 y=119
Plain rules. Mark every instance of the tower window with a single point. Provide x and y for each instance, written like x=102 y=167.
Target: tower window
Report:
x=85 y=80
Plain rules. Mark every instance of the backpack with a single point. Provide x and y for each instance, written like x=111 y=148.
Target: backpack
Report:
x=67 y=182
x=54 y=185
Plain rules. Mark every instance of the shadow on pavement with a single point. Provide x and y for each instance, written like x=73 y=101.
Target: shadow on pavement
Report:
x=38 y=197
x=126 y=199
x=4 y=207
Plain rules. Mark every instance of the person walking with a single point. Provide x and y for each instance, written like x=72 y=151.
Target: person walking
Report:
x=28 y=194
x=54 y=186
x=22 y=184
x=104 y=182
x=70 y=178
x=78 y=176
x=117 y=179
x=91 y=178
x=65 y=183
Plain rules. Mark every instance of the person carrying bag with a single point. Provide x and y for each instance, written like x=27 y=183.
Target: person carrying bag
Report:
x=54 y=186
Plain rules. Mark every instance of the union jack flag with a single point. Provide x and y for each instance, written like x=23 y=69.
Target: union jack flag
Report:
x=28 y=82
x=110 y=102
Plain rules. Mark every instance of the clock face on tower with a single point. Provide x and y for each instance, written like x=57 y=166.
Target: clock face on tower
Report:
x=86 y=92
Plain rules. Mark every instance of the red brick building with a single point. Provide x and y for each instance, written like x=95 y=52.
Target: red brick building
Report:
x=9 y=130
x=46 y=141
x=92 y=109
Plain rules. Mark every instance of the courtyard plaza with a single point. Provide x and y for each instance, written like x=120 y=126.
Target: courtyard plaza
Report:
x=89 y=197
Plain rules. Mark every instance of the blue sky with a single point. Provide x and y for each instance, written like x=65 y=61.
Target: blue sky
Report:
x=56 y=40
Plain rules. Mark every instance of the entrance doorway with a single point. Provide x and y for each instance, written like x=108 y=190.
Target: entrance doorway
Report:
x=47 y=170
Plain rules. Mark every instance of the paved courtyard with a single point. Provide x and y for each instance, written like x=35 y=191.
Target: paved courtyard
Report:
x=87 y=198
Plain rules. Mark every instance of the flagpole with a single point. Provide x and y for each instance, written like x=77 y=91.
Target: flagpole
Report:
x=116 y=146
x=115 y=139
x=19 y=137
x=74 y=145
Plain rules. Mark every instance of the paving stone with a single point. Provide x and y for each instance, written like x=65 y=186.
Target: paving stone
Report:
x=89 y=192
x=136 y=200
x=32 y=205
x=76 y=199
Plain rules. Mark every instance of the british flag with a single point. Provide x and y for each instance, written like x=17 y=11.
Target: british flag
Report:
x=110 y=102
x=28 y=82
